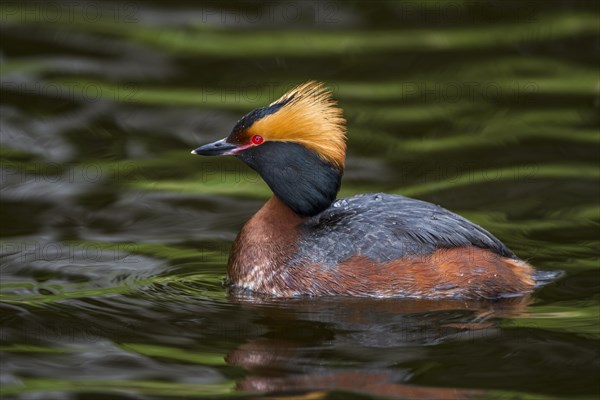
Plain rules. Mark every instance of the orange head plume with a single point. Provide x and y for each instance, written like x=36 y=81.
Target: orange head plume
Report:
x=310 y=117
x=306 y=115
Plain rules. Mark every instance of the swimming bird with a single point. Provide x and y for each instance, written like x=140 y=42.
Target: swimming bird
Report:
x=304 y=242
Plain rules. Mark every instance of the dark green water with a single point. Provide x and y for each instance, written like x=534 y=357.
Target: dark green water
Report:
x=115 y=239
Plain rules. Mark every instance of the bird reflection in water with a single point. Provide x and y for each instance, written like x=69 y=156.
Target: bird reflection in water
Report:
x=398 y=331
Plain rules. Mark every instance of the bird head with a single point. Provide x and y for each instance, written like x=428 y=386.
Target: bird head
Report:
x=297 y=144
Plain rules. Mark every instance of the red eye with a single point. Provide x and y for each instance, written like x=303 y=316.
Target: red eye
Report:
x=257 y=139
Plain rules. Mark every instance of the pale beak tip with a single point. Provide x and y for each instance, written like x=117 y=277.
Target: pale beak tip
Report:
x=194 y=152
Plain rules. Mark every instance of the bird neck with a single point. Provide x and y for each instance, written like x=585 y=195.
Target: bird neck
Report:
x=262 y=246
x=301 y=179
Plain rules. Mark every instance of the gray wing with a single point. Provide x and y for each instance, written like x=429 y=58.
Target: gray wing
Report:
x=385 y=227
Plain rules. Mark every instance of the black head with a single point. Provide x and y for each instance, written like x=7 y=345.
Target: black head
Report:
x=298 y=176
x=297 y=145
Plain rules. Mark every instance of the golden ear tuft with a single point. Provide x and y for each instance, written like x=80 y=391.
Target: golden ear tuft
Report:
x=309 y=116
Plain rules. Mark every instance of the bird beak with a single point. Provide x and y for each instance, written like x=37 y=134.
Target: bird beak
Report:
x=218 y=148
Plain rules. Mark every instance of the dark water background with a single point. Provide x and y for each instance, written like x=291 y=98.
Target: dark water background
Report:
x=115 y=238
